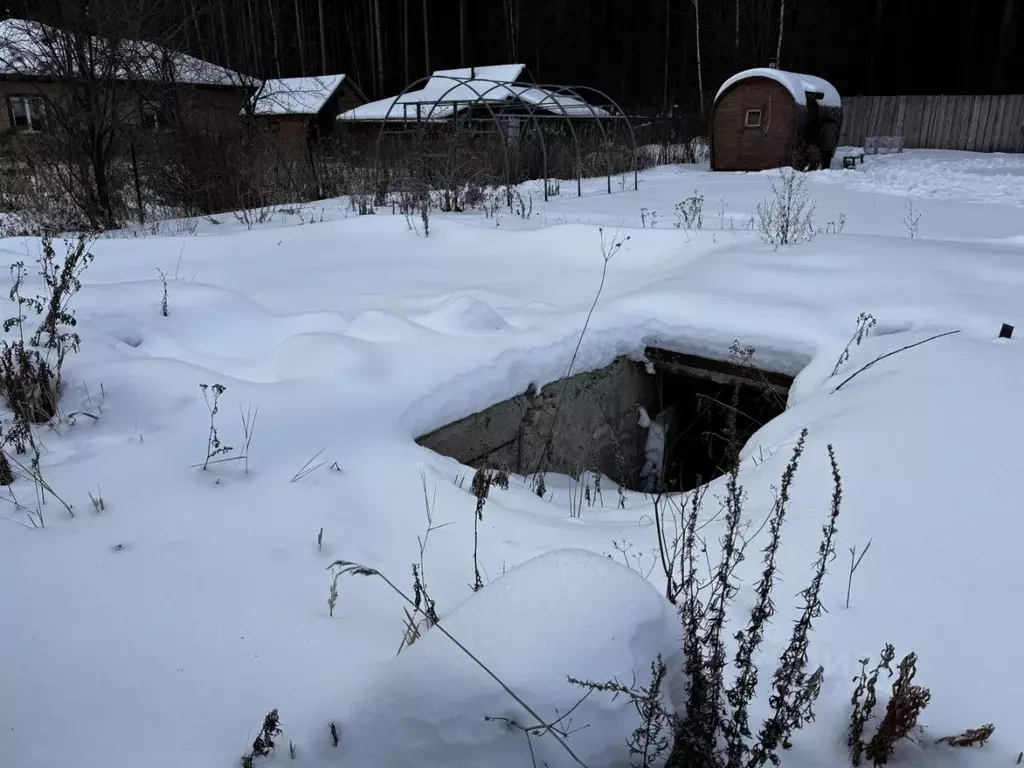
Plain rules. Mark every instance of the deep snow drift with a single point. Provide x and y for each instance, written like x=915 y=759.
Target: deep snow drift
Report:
x=161 y=630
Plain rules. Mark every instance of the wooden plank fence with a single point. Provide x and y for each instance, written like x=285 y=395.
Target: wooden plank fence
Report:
x=974 y=123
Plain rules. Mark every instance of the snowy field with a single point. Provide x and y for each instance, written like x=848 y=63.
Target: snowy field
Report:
x=160 y=630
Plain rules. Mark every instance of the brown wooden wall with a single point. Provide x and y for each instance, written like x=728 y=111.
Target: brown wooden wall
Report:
x=348 y=98
x=973 y=123
x=734 y=147
x=196 y=104
x=291 y=131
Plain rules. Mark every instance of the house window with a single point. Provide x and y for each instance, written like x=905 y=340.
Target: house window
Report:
x=154 y=114
x=27 y=113
x=753 y=119
x=274 y=126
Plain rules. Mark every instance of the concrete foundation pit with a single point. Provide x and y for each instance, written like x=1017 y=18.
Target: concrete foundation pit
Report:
x=654 y=426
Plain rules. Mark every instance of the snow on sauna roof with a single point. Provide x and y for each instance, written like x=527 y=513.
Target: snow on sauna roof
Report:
x=446 y=86
x=797 y=84
x=297 y=95
x=29 y=48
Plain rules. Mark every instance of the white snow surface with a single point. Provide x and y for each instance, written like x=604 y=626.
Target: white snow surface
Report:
x=434 y=691
x=28 y=48
x=296 y=95
x=796 y=83
x=160 y=630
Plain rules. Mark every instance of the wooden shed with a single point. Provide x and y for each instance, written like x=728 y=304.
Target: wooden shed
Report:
x=303 y=110
x=768 y=118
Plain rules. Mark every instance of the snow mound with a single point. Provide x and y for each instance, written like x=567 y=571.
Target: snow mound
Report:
x=462 y=315
x=377 y=325
x=797 y=84
x=567 y=612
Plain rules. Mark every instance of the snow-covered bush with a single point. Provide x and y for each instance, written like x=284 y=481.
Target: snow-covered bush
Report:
x=696 y=150
x=787 y=217
x=690 y=212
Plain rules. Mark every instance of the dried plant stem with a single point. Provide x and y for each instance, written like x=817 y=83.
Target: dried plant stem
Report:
x=309 y=467
x=890 y=354
x=608 y=252
x=854 y=564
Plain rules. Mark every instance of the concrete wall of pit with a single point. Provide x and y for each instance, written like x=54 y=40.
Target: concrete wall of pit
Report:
x=597 y=427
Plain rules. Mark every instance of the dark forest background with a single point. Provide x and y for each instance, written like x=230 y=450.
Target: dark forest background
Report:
x=647 y=54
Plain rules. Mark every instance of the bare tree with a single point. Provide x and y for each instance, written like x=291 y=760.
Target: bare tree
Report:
x=300 y=34
x=700 y=71
x=224 y=31
x=462 y=33
x=353 y=38
x=405 y=39
x=512 y=27
x=1007 y=39
x=272 y=14
x=379 y=46
x=737 y=43
x=95 y=80
x=323 y=38
x=668 y=48
x=782 y=24
x=426 y=37
x=194 y=13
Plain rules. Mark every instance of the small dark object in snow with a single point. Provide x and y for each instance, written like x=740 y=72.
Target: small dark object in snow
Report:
x=1006 y=332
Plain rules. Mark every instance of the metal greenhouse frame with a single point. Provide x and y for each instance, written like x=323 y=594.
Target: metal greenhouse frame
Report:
x=611 y=112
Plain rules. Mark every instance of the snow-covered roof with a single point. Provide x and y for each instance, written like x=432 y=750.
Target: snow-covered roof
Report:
x=29 y=48
x=499 y=73
x=558 y=103
x=450 y=85
x=296 y=95
x=448 y=90
x=796 y=83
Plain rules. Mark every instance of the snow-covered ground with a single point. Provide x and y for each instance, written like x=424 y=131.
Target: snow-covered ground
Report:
x=159 y=631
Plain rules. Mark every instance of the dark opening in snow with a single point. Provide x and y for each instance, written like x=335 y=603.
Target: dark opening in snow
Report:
x=647 y=431
x=694 y=397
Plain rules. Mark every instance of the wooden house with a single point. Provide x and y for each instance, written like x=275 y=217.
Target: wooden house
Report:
x=143 y=84
x=304 y=110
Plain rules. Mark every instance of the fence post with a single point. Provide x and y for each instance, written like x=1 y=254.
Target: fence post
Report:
x=316 y=175
x=138 y=187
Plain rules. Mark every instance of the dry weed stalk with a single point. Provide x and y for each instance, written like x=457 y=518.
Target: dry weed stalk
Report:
x=971 y=737
x=901 y=714
x=713 y=730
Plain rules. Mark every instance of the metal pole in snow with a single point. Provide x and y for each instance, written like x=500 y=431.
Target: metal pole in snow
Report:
x=138 y=187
